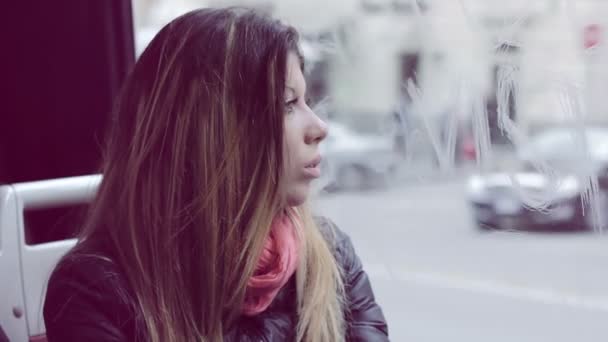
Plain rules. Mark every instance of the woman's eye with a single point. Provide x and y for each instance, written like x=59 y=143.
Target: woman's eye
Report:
x=289 y=105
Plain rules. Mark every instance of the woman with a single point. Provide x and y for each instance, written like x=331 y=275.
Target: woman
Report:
x=200 y=229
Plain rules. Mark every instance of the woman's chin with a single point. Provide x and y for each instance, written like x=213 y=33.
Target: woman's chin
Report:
x=298 y=196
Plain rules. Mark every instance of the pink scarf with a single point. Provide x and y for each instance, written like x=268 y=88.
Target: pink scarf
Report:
x=277 y=264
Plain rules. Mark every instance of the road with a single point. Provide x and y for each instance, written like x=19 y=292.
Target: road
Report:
x=440 y=279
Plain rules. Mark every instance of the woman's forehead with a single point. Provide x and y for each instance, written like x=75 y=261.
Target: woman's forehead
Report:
x=295 y=79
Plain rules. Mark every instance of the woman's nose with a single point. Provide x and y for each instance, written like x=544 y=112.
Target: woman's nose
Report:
x=317 y=130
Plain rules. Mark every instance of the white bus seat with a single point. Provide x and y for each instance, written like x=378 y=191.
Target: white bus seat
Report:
x=11 y=284
x=31 y=265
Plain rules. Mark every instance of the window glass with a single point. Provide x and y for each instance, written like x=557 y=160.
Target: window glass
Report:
x=482 y=219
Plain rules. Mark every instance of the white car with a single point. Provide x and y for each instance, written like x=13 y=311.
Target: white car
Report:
x=497 y=198
x=352 y=160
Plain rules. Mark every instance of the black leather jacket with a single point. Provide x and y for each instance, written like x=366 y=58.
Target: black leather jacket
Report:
x=87 y=300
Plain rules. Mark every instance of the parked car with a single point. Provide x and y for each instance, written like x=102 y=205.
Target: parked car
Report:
x=497 y=202
x=355 y=161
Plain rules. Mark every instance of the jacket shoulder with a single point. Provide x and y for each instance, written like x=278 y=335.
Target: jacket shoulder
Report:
x=334 y=236
x=87 y=298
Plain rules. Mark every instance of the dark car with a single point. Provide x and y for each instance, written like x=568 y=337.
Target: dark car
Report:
x=549 y=187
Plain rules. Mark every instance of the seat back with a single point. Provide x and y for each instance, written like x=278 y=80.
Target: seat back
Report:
x=26 y=264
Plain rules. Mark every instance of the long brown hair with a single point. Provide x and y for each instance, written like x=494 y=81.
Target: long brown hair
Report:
x=192 y=178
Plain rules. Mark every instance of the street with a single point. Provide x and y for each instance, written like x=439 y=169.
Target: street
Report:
x=438 y=278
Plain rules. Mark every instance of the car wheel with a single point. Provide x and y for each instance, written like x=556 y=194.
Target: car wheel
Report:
x=508 y=223
x=484 y=226
x=352 y=177
x=599 y=221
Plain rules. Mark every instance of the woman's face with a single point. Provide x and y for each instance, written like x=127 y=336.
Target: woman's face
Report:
x=304 y=130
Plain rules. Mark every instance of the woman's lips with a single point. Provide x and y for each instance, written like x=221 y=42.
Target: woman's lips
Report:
x=315 y=162
x=313 y=172
x=313 y=169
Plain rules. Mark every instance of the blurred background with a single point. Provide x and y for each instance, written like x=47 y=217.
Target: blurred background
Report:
x=467 y=155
